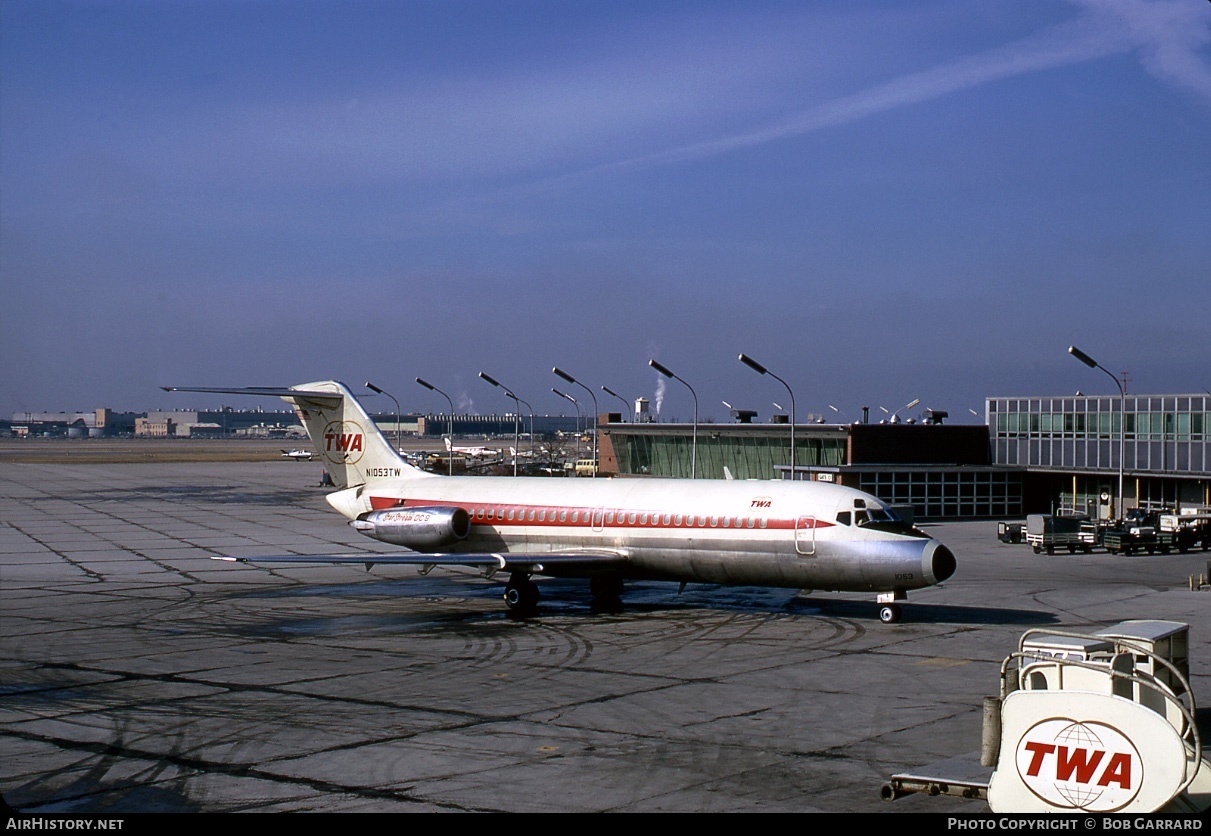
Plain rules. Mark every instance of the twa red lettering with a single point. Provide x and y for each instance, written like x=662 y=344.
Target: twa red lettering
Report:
x=1117 y=771
x=1082 y=763
x=1038 y=751
x=343 y=442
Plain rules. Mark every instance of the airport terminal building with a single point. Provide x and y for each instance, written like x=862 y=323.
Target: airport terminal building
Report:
x=1068 y=448
x=1034 y=455
x=943 y=472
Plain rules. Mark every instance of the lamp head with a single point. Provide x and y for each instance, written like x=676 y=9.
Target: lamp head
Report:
x=753 y=364
x=658 y=367
x=1082 y=356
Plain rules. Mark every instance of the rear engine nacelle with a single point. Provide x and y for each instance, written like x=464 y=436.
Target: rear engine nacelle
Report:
x=416 y=528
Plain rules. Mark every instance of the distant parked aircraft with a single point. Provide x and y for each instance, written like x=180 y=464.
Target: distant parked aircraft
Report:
x=473 y=452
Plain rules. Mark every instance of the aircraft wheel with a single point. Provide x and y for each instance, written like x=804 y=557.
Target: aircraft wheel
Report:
x=521 y=596
x=889 y=613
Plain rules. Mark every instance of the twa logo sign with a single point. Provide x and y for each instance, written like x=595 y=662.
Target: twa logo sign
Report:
x=1079 y=766
x=343 y=442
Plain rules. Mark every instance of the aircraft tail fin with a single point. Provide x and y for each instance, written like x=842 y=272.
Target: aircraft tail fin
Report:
x=350 y=444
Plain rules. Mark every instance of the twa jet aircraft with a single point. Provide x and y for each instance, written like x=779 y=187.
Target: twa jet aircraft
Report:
x=796 y=535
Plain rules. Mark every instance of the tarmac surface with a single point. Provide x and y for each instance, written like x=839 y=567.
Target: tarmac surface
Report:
x=139 y=675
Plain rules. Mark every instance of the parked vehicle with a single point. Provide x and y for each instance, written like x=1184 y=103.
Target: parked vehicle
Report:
x=1047 y=532
x=1011 y=532
x=1138 y=532
x=1190 y=530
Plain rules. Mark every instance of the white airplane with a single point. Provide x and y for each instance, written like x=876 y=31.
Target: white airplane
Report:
x=473 y=452
x=796 y=535
x=298 y=455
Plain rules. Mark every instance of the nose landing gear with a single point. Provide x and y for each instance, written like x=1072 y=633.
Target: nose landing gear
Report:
x=889 y=610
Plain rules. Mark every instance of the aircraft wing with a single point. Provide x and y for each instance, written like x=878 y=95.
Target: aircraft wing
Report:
x=263 y=391
x=572 y=562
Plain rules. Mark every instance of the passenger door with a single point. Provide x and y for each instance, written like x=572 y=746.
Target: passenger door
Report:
x=805 y=536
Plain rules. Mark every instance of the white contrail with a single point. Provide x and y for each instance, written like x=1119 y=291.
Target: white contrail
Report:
x=1167 y=33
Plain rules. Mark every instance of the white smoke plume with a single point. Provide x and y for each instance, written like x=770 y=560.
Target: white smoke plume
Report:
x=658 y=398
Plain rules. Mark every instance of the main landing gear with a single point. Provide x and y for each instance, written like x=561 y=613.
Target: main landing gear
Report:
x=521 y=594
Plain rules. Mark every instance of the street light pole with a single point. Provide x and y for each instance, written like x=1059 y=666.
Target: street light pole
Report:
x=596 y=414
x=450 y=452
x=760 y=369
x=625 y=402
x=516 y=413
x=531 y=431
x=1122 y=417
x=575 y=403
x=379 y=391
x=694 y=447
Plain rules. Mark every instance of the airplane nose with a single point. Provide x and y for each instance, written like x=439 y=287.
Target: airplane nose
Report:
x=940 y=562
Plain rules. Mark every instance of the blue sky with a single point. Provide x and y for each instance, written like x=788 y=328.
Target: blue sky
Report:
x=879 y=201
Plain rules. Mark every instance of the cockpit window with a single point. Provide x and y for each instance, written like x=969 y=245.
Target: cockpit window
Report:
x=877 y=514
x=883 y=519
x=843 y=517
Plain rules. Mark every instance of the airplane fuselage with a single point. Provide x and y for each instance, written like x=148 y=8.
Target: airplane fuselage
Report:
x=764 y=533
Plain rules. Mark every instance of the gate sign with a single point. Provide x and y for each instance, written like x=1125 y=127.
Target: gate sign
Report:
x=1072 y=765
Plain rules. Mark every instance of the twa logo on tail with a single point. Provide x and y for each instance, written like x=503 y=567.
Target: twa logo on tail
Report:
x=343 y=442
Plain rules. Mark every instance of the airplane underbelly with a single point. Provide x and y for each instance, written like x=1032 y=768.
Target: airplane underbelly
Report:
x=855 y=566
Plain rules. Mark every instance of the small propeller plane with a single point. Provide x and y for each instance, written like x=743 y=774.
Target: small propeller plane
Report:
x=473 y=452
x=778 y=533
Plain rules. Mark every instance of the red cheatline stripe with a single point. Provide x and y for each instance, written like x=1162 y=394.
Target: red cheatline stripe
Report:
x=594 y=517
